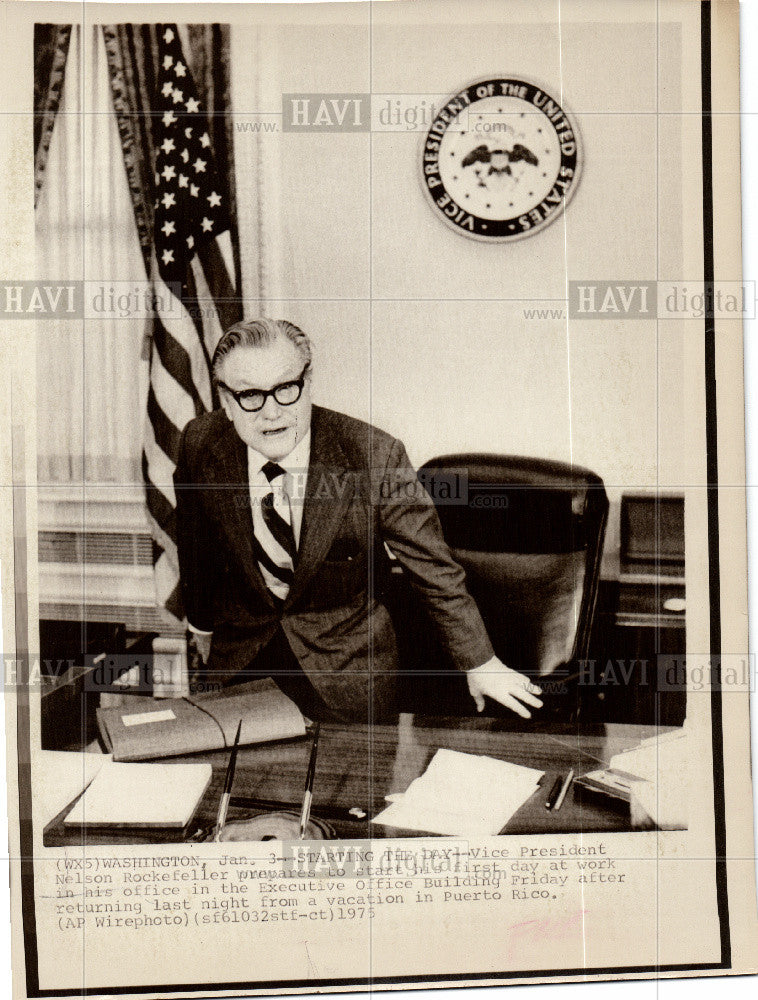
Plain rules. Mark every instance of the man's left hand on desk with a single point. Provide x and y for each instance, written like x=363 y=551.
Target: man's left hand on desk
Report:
x=504 y=685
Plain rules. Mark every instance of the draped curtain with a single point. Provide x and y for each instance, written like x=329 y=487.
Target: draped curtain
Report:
x=88 y=416
x=93 y=221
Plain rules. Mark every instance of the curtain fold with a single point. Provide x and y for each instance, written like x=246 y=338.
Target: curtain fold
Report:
x=51 y=44
x=87 y=429
x=132 y=55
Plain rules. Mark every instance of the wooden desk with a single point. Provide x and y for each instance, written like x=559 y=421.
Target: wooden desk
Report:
x=357 y=766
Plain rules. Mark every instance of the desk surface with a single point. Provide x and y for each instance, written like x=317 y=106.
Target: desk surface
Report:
x=358 y=765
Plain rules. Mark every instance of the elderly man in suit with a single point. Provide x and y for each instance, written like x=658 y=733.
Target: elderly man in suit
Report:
x=284 y=509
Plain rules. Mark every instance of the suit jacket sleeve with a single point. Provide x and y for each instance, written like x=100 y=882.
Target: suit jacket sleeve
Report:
x=197 y=560
x=411 y=528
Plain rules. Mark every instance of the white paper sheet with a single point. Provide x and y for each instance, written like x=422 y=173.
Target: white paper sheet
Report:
x=462 y=795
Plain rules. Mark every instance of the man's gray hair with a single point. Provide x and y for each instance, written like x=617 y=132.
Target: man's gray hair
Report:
x=259 y=333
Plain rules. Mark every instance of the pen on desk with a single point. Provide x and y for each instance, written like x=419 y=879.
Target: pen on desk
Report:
x=554 y=793
x=305 y=812
x=223 y=805
x=564 y=789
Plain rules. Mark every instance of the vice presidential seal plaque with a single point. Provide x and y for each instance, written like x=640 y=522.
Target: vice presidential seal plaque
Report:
x=501 y=160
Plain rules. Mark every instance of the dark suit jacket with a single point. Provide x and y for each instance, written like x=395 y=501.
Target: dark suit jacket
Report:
x=361 y=492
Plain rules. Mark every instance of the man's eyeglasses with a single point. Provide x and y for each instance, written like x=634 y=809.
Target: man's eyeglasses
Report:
x=252 y=400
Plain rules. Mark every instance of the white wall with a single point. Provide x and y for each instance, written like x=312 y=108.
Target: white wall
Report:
x=421 y=330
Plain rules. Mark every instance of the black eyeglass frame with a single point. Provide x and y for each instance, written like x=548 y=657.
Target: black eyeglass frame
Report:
x=265 y=393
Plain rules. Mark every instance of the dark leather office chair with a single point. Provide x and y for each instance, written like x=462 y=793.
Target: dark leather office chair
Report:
x=529 y=534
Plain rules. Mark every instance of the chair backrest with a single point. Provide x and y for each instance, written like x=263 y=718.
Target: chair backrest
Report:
x=529 y=534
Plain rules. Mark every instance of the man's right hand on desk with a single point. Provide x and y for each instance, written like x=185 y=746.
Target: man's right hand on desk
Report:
x=504 y=685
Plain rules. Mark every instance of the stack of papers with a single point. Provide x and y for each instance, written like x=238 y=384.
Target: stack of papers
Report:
x=660 y=793
x=462 y=795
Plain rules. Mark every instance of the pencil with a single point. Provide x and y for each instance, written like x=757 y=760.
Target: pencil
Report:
x=564 y=789
x=305 y=812
x=223 y=805
x=554 y=792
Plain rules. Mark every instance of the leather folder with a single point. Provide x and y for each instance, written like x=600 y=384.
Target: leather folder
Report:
x=148 y=728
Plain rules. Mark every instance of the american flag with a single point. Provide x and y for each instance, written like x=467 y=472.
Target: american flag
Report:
x=194 y=298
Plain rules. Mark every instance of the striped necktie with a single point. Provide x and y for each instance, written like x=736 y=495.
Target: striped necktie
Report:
x=276 y=551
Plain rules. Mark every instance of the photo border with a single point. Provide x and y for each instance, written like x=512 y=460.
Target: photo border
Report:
x=453 y=980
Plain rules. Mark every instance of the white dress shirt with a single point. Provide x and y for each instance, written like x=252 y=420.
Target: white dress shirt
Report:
x=295 y=466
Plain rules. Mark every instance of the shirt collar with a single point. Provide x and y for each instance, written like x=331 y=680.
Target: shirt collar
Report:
x=296 y=462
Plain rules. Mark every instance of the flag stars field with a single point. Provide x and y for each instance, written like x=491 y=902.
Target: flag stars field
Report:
x=185 y=170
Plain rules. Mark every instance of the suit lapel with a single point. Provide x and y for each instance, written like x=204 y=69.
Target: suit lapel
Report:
x=328 y=492
x=231 y=474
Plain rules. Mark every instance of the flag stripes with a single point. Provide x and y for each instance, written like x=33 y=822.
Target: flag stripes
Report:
x=176 y=362
x=193 y=292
